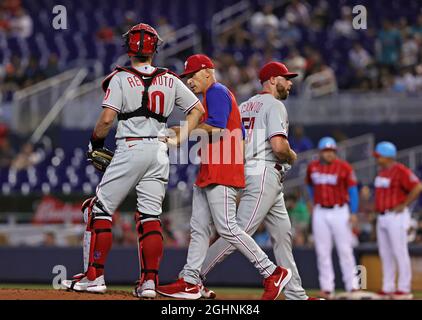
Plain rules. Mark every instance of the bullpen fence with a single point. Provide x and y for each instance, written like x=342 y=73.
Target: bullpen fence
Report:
x=36 y=265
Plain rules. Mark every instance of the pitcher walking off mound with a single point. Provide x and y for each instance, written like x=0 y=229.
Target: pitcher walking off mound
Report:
x=268 y=157
x=214 y=196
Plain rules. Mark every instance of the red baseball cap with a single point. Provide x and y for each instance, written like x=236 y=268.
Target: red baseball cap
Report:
x=274 y=69
x=195 y=63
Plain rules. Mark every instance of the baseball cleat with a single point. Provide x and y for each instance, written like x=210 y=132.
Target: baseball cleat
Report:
x=146 y=290
x=181 y=290
x=400 y=295
x=206 y=293
x=80 y=283
x=326 y=295
x=274 y=284
x=384 y=295
x=314 y=298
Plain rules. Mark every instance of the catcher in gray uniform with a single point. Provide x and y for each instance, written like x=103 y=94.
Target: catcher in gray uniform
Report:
x=268 y=157
x=141 y=97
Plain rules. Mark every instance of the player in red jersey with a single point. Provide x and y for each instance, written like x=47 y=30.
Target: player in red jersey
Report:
x=332 y=186
x=396 y=186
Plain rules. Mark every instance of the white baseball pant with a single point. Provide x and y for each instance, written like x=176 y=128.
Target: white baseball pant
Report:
x=217 y=203
x=331 y=227
x=262 y=201
x=392 y=231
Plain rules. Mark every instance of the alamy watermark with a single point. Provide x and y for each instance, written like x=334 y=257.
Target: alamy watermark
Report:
x=360 y=20
x=60 y=17
x=360 y=279
x=61 y=274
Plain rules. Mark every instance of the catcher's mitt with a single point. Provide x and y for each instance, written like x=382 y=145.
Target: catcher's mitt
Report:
x=100 y=158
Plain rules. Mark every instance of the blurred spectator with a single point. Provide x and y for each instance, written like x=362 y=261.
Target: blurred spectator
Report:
x=405 y=82
x=366 y=215
x=165 y=30
x=359 y=57
x=105 y=34
x=245 y=88
x=236 y=40
x=263 y=20
x=312 y=57
x=388 y=45
x=418 y=238
x=321 y=12
x=343 y=27
x=300 y=218
x=32 y=73
x=418 y=76
x=296 y=63
x=49 y=239
x=410 y=51
x=339 y=135
x=299 y=142
x=321 y=82
x=403 y=27
x=417 y=29
x=129 y=21
x=6 y=151
x=21 y=24
x=52 y=67
x=289 y=33
x=26 y=158
x=264 y=24
x=297 y=12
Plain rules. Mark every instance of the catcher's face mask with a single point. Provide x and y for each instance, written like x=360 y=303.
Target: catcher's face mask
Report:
x=142 y=40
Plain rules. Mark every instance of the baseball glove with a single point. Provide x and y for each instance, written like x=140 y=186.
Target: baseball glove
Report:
x=100 y=158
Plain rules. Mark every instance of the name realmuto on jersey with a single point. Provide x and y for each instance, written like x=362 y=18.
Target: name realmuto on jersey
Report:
x=163 y=80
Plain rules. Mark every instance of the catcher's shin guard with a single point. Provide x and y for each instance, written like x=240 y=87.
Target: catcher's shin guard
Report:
x=97 y=238
x=150 y=246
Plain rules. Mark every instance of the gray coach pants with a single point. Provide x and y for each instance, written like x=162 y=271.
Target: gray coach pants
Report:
x=262 y=201
x=217 y=203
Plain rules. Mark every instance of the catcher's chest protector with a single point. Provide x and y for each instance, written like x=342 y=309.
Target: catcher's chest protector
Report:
x=146 y=80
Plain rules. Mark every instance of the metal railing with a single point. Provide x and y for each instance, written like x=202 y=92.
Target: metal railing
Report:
x=229 y=17
x=59 y=105
x=30 y=105
x=353 y=150
x=82 y=110
x=366 y=170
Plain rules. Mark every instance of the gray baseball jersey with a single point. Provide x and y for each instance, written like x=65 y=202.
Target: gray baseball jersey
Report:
x=261 y=201
x=263 y=117
x=124 y=94
x=141 y=164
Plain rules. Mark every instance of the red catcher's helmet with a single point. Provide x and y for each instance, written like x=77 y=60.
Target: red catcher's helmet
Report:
x=141 y=40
